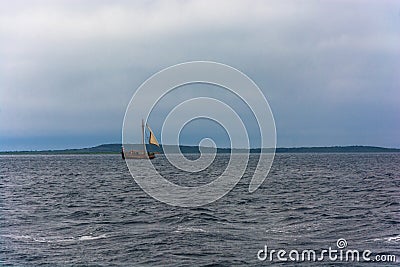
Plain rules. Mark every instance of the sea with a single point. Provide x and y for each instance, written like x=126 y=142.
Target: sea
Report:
x=87 y=210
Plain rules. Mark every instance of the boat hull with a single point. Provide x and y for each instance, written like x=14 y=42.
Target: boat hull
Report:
x=137 y=155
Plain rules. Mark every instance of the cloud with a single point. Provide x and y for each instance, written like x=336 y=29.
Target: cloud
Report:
x=329 y=70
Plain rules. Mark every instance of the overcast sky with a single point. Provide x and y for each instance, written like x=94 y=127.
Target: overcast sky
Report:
x=329 y=69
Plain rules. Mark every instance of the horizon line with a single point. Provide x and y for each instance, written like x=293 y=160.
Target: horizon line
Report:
x=251 y=148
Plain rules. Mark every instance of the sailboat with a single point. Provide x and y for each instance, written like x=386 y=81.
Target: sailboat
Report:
x=142 y=154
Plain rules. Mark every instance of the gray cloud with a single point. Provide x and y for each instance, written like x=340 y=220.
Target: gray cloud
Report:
x=329 y=70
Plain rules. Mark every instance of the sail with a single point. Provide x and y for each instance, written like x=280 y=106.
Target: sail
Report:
x=152 y=138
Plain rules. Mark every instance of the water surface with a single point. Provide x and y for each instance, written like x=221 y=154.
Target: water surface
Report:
x=86 y=210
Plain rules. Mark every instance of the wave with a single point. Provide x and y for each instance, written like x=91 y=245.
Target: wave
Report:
x=52 y=239
x=389 y=239
x=90 y=237
x=395 y=239
x=181 y=229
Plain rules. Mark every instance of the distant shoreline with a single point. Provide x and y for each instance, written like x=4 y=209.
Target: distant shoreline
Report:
x=116 y=149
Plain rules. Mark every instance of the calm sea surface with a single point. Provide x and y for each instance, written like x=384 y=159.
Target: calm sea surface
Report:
x=86 y=210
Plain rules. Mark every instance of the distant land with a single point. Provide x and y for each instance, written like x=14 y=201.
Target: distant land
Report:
x=116 y=148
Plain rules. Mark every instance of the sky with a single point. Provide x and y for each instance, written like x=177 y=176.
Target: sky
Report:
x=329 y=69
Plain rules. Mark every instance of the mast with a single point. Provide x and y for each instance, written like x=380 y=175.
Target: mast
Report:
x=144 y=145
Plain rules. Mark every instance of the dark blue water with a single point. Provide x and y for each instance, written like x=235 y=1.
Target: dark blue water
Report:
x=86 y=210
